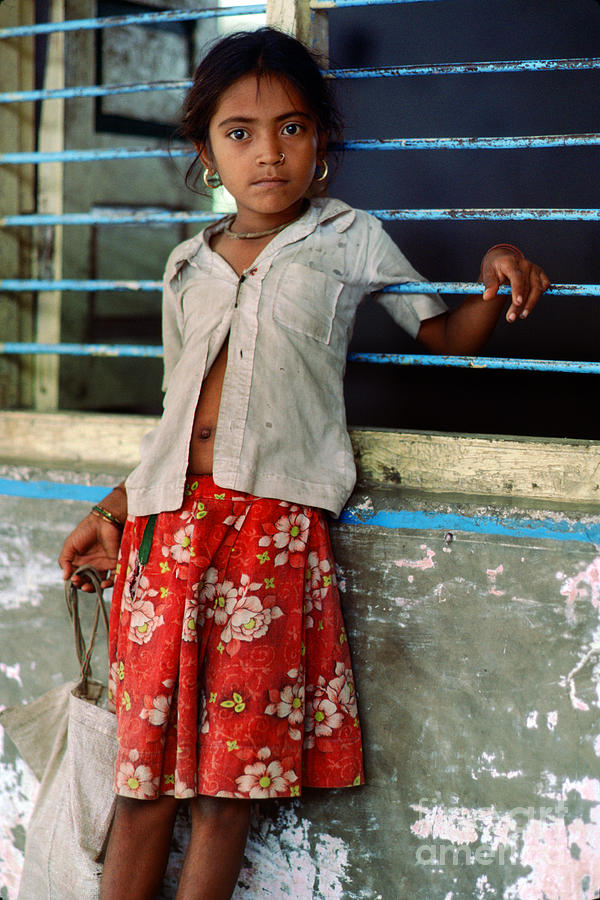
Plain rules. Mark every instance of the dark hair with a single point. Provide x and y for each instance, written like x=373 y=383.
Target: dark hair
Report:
x=265 y=51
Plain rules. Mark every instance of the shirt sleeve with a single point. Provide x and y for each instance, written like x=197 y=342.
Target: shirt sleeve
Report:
x=171 y=326
x=386 y=265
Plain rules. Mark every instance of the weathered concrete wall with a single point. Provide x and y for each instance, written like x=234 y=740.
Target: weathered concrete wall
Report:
x=475 y=634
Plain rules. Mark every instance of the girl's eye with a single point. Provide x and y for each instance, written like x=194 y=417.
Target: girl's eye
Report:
x=292 y=128
x=238 y=134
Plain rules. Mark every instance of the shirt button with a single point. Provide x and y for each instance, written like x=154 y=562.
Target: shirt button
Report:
x=253 y=271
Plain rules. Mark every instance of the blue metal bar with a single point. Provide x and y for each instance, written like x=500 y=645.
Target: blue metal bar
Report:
x=69 y=284
x=521 y=142
x=157 y=18
x=476 y=68
x=478 y=362
x=387 y=215
x=93 y=90
x=398 y=359
x=524 y=214
x=124 y=350
x=409 y=287
x=462 y=287
x=341 y=4
x=469 y=68
x=130 y=218
x=94 y=155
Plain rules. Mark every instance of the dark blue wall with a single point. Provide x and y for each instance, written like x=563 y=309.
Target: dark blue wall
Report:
x=504 y=104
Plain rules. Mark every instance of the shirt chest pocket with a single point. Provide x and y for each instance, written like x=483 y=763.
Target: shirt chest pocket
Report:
x=305 y=301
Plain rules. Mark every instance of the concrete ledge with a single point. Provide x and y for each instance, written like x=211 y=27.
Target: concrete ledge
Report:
x=538 y=469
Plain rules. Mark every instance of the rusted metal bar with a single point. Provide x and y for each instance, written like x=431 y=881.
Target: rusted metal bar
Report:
x=387 y=215
x=148 y=285
x=475 y=68
x=519 y=142
x=398 y=359
x=154 y=18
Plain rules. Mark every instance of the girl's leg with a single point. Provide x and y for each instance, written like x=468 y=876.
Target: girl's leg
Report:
x=138 y=848
x=216 y=849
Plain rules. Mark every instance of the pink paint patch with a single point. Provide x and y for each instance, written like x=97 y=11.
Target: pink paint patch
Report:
x=584 y=584
x=587 y=788
x=426 y=563
x=492 y=575
x=454 y=825
x=562 y=857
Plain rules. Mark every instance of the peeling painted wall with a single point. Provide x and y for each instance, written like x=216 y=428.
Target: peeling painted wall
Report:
x=478 y=665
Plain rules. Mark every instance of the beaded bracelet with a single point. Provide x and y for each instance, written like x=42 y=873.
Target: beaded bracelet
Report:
x=105 y=514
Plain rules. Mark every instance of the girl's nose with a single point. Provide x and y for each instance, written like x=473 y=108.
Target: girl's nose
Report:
x=270 y=155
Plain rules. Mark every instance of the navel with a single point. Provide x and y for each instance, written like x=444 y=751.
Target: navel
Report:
x=205 y=433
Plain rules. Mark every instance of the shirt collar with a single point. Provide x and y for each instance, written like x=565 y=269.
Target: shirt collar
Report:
x=321 y=210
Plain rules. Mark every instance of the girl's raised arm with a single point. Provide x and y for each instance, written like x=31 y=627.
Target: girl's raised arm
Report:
x=464 y=330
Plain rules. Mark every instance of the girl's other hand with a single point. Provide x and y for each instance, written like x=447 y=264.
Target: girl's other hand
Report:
x=93 y=543
x=528 y=281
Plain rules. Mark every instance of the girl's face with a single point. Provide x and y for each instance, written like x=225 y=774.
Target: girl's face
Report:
x=264 y=144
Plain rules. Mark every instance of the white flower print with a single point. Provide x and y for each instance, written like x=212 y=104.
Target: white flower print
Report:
x=263 y=779
x=248 y=618
x=182 y=791
x=156 y=709
x=323 y=716
x=340 y=690
x=289 y=704
x=136 y=781
x=181 y=550
x=131 y=578
x=214 y=596
x=289 y=535
x=237 y=520
x=144 y=621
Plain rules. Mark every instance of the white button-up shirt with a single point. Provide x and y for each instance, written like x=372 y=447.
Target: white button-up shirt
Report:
x=281 y=429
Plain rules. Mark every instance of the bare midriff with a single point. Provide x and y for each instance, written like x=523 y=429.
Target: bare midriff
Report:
x=240 y=255
x=205 y=419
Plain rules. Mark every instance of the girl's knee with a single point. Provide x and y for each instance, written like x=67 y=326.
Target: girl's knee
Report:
x=220 y=810
x=131 y=812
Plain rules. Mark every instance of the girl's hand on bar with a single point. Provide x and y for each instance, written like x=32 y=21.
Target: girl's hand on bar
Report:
x=528 y=281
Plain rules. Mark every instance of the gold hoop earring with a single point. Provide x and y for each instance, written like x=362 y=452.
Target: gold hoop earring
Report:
x=211 y=181
x=325 y=171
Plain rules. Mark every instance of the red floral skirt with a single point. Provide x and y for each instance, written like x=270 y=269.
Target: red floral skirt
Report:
x=230 y=669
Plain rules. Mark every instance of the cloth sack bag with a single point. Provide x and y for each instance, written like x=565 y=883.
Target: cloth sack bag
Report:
x=69 y=742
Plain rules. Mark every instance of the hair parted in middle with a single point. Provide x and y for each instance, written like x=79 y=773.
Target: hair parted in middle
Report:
x=264 y=52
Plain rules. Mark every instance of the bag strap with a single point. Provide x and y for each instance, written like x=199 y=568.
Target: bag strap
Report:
x=84 y=654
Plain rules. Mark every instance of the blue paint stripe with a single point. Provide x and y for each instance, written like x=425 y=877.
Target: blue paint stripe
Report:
x=544 y=529
x=52 y=490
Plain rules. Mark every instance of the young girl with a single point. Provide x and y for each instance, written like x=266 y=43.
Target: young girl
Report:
x=230 y=669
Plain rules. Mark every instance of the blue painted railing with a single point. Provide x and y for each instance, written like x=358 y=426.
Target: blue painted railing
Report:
x=154 y=18
x=469 y=68
x=519 y=142
x=162 y=216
